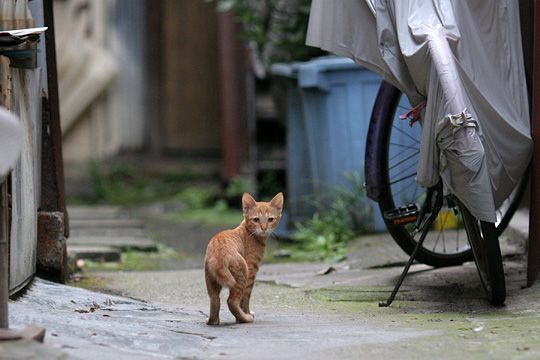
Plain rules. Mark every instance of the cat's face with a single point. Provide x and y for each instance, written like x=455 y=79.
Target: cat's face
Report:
x=262 y=218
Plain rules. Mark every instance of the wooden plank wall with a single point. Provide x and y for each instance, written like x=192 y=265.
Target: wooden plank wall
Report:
x=25 y=184
x=191 y=79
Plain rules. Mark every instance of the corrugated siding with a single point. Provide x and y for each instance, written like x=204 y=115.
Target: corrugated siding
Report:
x=126 y=39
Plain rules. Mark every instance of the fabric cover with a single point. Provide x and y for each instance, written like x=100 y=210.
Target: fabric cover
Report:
x=480 y=150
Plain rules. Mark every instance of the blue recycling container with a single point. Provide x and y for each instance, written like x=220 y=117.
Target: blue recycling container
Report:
x=328 y=107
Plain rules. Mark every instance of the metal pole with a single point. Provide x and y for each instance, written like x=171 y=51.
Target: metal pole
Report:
x=4 y=264
x=533 y=261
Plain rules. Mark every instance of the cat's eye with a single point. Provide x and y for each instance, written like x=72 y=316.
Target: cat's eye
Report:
x=271 y=219
x=256 y=219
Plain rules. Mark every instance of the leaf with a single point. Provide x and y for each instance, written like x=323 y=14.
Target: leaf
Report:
x=226 y=5
x=326 y=271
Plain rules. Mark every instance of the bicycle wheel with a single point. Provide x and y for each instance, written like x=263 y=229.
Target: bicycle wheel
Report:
x=392 y=152
x=487 y=254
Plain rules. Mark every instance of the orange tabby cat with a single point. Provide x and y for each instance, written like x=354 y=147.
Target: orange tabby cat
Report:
x=233 y=257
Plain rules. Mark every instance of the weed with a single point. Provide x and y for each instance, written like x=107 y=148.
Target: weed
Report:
x=270 y=183
x=198 y=197
x=205 y=206
x=218 y=215
x=340 y=215
x=237 y=186
x=122 y=184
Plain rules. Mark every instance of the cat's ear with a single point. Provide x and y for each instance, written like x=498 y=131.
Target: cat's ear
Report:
x=277 y=201
x=248 y=202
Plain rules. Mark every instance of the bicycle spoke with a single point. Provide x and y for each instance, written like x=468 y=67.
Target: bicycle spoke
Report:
x=405 y=146
x=406 y=134
x=403 y=189
x=399 y=154
x=402 y=107
x=443 y=226
x=441 y=232
x=403 y=160
x=415 y=192
x=457 y=236
x=403 y=178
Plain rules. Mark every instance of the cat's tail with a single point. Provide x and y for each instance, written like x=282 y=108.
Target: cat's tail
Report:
x=230 y=274
x=225 y=277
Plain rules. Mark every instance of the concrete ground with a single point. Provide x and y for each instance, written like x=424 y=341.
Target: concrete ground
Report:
x=299 y=313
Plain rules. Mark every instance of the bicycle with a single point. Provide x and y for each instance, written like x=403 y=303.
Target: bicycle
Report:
x=390 y=167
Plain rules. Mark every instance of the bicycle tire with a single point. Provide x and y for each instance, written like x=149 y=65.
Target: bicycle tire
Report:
x=487 y=254
x=378 y=182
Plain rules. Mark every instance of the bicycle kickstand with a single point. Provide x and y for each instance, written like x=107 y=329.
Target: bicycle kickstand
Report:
x=425 y=229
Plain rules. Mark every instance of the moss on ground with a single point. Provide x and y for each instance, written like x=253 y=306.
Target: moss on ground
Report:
x=491 y=334
x=90 y=282
x=132 y=260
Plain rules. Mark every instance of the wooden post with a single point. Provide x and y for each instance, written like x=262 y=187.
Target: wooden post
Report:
x=154 y=73
x=53 y=191
x=4 y=258
x=230 y=101
x=533 y=265
x=53 y=222
x=5 y=101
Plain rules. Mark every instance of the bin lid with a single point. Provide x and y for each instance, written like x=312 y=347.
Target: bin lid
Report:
x=308 y=72
x=319 y=64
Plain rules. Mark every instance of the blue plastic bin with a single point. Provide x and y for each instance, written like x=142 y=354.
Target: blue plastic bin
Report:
x=328 y=103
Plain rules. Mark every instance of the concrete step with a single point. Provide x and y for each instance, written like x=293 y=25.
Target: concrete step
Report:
x=113 y=232
x=105 y=223
x=95 y=253
x=96 y=212
x=117 y=242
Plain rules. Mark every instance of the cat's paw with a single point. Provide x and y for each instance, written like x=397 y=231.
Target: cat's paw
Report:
x=248 y=318
x=212 y=322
